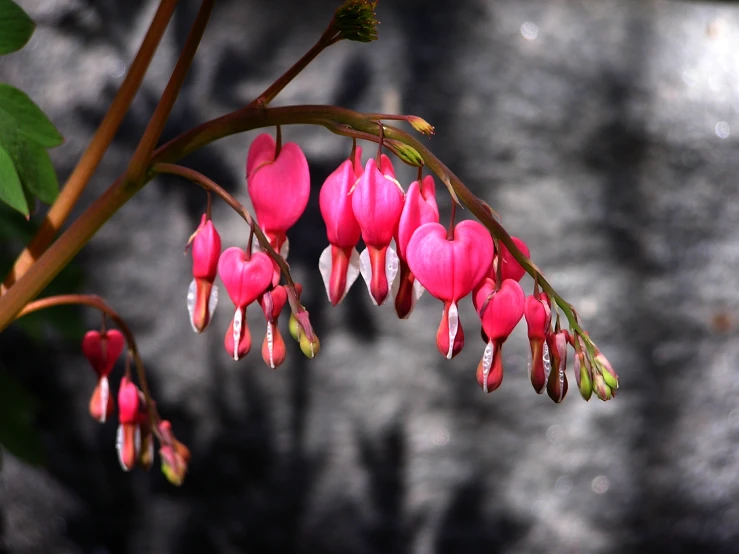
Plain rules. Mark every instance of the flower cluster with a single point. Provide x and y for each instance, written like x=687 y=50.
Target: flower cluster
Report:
x=135 y=436
x=406 y=251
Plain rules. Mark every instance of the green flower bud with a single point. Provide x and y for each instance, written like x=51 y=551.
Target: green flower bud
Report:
x=294 y=327
x=310 y=348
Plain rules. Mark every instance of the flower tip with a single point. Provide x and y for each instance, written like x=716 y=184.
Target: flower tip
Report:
x=355 y=20
x=421 y=125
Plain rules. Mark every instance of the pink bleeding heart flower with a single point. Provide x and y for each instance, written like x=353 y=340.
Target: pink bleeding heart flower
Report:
x=449 y=270
x=273 y=347
x=378 y=198
x=557 y=381
x=102 y=350
x=246 y=277
x=419 y=208
x=510 y=268
x=500 y=312
x=202 y=296
x=339 y=262
x=279 y=186
x=538 y=318
x=377 y=202
x=128 y=441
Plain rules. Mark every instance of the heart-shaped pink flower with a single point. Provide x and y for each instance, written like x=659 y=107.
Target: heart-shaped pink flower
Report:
x=377 y=202
x=538 y=319
x=103 y=349
x=339 y=262
x=245 y=279
x=450 y=269
x=278 y=187
x=500 y=311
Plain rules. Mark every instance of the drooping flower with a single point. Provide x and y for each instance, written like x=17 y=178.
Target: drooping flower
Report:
x=102 y=349
x=339 y=262
x=246 y=277
x=279 y=187
x=557 y=381
x=175 y=456
x=202 y=296
x=377 y=202
x=500 y=312
x=449 y=270
x=538 y=318
x=419 y=208
x=128 y=441
x=273 y=347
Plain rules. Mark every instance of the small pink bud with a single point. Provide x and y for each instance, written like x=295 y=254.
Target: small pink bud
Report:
x=128 y=441
x=450 y=335
x=175 y=456
x=273 y=346
x=279 y=187
x=557 y=381
x=500 y=311
x=377 y=202
x=128 y=402
x=490 y=369
x=538 y=318
x=202 y=296
x=238 y=336
x=103 y=349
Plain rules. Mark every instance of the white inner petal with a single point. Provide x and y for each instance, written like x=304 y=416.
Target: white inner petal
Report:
x=453 y=322
x=191 y=292
x=392 y=263
x=237 y=332
x=212 y=301
x=104 y=395
x=547 y=361
x=365 y=268
x=285 y=248
x=325 y=262
x=487 y=363
x=270 y=344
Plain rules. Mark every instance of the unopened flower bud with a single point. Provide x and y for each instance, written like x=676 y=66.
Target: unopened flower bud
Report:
x=602 y=390
x=175 y=456
x=309 y=347
x=294 y=327
x=128 y=440
x=583 y=373
x=604 y=368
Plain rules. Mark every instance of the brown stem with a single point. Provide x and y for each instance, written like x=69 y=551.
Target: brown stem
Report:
x=98 y=303
x=91 y=158
x=134 y=177
x=327 y=39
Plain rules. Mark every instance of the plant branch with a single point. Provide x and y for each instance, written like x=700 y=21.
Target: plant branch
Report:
x=137 y=167
x=91 y=158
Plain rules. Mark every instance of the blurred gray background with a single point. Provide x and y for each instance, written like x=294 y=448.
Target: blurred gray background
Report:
x=603 y=132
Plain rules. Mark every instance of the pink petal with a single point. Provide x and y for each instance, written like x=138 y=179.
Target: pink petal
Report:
x=261 y=151
x=377 y=203
x=501 y=312
x=417 y=210
x=102 y=349
x=279 y=190
x=336 y=207
x=245 y=280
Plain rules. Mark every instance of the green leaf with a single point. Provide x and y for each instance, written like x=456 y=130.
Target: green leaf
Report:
x=30 y=119
x=32 y=162
x=17 y=413
x=11 y=190
x=15 y=27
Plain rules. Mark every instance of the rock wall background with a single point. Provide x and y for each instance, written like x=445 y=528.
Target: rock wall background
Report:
x=603 y=132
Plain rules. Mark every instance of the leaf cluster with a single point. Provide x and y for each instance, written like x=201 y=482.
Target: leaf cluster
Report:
x=26 y=171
